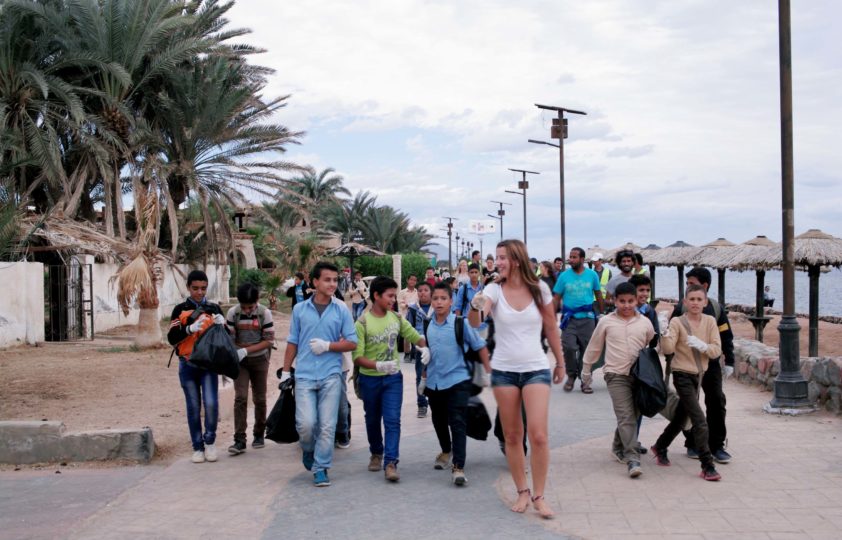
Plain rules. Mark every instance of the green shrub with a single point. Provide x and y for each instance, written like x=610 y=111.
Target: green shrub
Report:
x=411 y=263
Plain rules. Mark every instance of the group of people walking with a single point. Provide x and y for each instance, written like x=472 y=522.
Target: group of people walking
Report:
x=492 y=329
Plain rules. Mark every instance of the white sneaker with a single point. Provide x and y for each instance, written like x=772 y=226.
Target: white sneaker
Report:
x=210 y=453
x=198 y=457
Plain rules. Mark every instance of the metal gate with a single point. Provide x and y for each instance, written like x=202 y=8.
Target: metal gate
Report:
x=68 y=305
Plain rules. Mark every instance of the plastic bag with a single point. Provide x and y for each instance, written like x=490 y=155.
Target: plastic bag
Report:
x=280 y=425
x=215 y=352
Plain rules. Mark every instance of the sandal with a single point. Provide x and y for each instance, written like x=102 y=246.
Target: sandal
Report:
x=586 y=389
x=547 y=513
x=520 y=492
x=568 y=386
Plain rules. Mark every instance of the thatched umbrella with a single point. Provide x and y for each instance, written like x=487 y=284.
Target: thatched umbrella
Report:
x=353 y=250
x=710 y=255
x=677 y=254
x=611 y=254
x=815 y=249
x=646 y=252
x=592 y=250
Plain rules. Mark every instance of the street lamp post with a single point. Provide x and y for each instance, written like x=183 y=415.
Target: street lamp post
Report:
x=559 y=131
x=790 y=385
x=449 y=236
x=523 y=185
x=500 y=214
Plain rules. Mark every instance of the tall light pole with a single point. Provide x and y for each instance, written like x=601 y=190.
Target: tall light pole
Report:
x=523 y=185
x=449 y=237
x=790 y=385
x=559 y=131
x=500 y=214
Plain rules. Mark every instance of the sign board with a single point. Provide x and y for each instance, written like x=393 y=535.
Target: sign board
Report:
x=479 y=226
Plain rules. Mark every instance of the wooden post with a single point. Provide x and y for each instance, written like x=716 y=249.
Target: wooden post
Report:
x=721 y=285
x=813 y=346
x=680 y=282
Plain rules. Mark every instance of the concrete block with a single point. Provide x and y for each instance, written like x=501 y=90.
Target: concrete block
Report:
x=42 y=442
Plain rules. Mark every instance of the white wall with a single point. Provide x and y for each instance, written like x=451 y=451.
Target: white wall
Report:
x=22 y=297
x=21 y=303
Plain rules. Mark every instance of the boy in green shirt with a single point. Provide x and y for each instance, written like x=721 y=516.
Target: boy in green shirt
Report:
x=380 y=379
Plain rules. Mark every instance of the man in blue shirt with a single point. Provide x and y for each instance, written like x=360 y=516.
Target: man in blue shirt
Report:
x=467 y=291
x=416 y=314
x=321 y=330
x=449 y=381
x=576 y=289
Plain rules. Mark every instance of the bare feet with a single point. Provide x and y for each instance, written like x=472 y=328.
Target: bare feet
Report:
x=542 y=507
x=523 y=498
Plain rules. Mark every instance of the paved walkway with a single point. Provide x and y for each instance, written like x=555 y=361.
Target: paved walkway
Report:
x=785 y=482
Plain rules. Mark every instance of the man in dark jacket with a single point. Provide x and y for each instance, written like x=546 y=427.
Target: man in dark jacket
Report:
x=300 y=290
x=712 y=380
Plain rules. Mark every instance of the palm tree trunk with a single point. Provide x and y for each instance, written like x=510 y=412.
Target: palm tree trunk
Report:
x=108 y=208
x=148 y=328
x=118 y=193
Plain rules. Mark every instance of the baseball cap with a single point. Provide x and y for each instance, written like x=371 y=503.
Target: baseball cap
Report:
x=597 y=256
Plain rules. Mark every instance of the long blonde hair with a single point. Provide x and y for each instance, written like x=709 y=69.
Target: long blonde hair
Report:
x=516 y=250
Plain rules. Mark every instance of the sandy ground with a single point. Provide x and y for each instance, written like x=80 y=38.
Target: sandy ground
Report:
x=107 y=383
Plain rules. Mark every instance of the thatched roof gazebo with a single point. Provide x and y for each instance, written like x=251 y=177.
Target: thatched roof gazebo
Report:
x=710 y=255
x=677 y=254
x=611 y=254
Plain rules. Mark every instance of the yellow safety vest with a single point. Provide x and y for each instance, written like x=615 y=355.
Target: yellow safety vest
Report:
x=604 y=278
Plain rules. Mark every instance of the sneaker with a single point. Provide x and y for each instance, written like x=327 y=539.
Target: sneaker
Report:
x=210 y=453
x=375 y=463
x=721 y=456
x=237 y=448
x=692 y=453
x=198 y=456
x=634 y=469
x=442 y=461
x=307 y=458
x=391 y=473
x=458 y=476
x=258 y=442
x=342 y=441
x=709 y=473
x=320 y=479
x=641 y=449
x=660 y=456
x=422 y=411
x=619 y=455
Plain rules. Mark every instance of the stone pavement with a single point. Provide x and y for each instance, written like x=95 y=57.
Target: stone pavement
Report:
x=785 y=482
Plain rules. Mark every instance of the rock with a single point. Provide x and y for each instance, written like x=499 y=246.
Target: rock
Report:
x=834 y=371
x=834 y=401
x=814 y=392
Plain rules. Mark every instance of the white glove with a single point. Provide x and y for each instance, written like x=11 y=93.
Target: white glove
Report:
x=425 y=355
x=729 y=371
x=697 y=344
x=285 y=376
x=486 y=379
x=196 y=326
x=389 y=368
x=319 y=346
x=218 y=319
x=478 y=301
x=664 y=322
x=422 y=386
x=242 y=353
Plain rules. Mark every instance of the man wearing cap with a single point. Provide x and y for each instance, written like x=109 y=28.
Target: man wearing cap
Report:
x=603 y=272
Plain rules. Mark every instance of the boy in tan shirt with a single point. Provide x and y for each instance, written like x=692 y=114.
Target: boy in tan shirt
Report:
x=694 y=339
x=622 y=334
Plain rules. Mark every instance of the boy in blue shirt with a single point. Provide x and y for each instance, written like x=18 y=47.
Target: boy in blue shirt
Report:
x=449 y=381
x=417 y=314
x=321 y=330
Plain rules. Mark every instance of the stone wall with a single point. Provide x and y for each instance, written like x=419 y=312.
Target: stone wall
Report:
x=758 y=364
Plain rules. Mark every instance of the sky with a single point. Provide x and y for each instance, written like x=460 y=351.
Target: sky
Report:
x=428 y=104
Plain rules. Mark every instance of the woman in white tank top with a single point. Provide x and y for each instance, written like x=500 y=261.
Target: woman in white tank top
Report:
x=522 y=307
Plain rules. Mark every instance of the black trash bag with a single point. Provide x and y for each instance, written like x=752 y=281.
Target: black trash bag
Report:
x=477 y=419
x=650 y=391
x=215 y=351
x=280 y=425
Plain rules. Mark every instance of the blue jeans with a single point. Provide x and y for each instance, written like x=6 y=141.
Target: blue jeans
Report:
x=200 y=386
x=357 y=310
x=316 y=406
x=419 y=368
x=382 y=399
x=514 y=378
x=343 y=429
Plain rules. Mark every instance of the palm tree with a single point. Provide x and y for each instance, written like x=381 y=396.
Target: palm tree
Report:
x=347 y=218
x=315 y=193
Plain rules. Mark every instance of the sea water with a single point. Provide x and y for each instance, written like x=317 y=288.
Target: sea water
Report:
x=741 y=287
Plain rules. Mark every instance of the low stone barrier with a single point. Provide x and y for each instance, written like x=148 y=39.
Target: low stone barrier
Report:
x=43 y=442
x=757 y=363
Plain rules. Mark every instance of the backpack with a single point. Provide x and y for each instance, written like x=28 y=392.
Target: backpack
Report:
x=261 y=319
x=471 y=357
x=355 y=376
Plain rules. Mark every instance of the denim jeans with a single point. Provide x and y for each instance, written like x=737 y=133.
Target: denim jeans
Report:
x=419 y=368
x=382 y=399
x=316 y=406
x=520 y=379
x=357 y=309
x=200 y=386
x=343 y=428
x=449 y=420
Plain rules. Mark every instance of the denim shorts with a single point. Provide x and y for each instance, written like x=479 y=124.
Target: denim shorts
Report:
x=513 y=378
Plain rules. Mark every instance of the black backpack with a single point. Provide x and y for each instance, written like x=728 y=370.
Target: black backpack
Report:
x=471 y=357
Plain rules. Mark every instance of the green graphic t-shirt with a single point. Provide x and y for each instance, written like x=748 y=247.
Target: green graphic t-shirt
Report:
x=377 y=338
